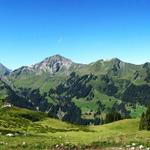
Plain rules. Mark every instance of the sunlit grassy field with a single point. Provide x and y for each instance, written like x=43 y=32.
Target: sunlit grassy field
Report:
x=25 y=129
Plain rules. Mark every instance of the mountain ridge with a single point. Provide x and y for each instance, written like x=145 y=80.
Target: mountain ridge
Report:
x=60 y=56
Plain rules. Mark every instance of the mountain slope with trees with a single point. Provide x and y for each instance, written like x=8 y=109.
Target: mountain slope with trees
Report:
x=57 y=84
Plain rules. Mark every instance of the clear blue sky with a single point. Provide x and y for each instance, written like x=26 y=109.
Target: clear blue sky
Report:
x=83 y=30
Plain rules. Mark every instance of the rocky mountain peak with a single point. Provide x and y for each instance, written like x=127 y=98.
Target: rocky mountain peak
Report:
x=51 y=65
x=57 y=59
x=54 y=64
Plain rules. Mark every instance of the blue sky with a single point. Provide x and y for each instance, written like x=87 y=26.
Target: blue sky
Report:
x=82 y=30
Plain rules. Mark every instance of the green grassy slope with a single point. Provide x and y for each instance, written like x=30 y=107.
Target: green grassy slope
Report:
x=31 y=80
x=123 y=69
x=34 y=130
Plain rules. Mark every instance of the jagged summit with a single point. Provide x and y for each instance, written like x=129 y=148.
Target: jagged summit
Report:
x=52 y=65
x=56 y=57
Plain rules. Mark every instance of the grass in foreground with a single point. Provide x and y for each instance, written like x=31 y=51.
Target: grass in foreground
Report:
x=34 y=130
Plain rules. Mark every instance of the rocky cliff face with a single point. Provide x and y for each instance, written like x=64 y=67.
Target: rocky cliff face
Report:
x=53 y=64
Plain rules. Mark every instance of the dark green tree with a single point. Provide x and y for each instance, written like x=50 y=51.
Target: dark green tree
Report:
x=112 y=116
x=142 y=122
x=145 y=120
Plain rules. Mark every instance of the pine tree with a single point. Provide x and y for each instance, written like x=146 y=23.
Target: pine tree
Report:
x=112 y=116
x=142 y=121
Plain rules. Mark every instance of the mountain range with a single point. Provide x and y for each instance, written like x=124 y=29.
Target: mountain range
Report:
x=79 y=93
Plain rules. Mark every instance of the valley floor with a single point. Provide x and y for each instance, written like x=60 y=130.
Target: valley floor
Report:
x=24 y=129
